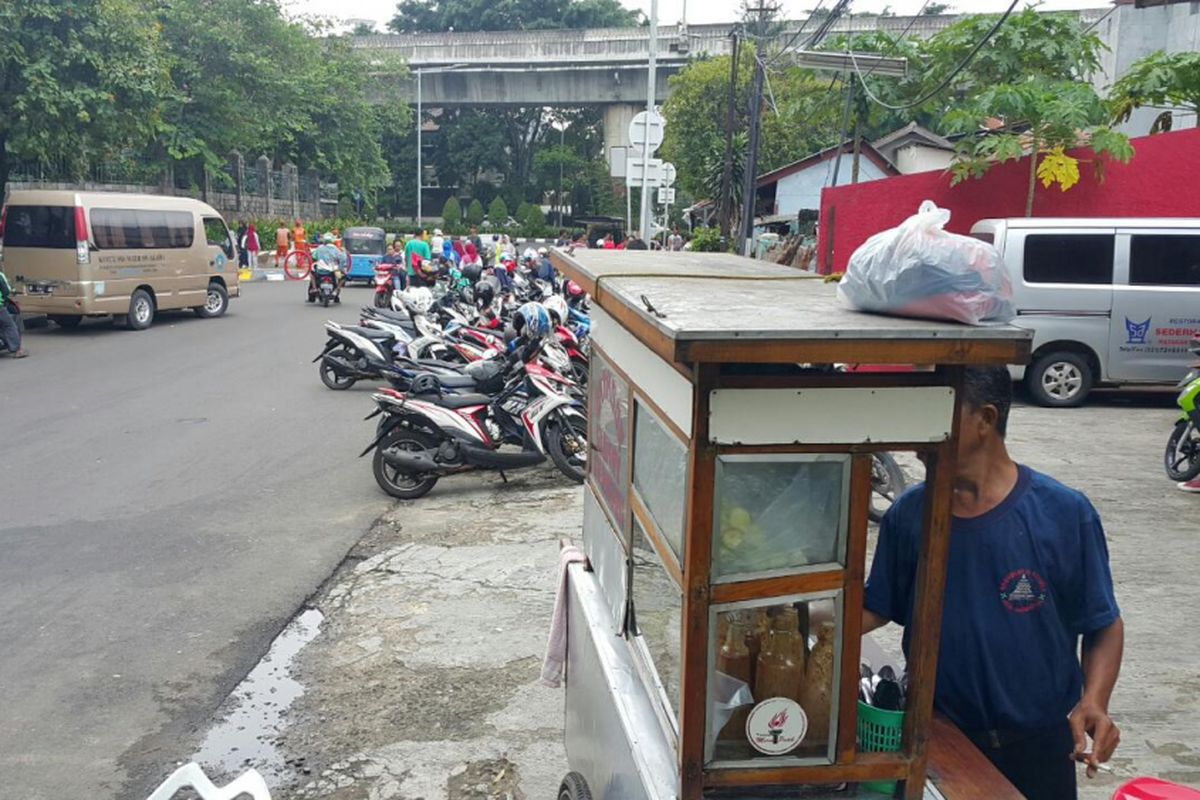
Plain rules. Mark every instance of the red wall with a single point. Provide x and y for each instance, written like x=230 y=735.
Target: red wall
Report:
x=1162 y=180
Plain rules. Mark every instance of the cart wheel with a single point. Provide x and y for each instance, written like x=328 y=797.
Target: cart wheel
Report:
x=574 y=787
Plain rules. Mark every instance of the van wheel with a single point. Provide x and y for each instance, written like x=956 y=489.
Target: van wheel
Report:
x=70 y=321
x=1060 y=380
x=141 y=311
x=216 y=302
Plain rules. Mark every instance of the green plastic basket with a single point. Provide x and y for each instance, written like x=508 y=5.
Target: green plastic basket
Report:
x=879 y=731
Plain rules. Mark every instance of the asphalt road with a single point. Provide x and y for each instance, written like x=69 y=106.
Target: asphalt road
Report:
x=168 y=499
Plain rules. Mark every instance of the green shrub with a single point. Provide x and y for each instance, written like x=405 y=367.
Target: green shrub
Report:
x=708 y=240
x=534 y=221
x=475 y=213
x=451 y=213
x=497 y=212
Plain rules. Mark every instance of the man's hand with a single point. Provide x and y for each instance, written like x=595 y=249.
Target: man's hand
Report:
x=1089 y=718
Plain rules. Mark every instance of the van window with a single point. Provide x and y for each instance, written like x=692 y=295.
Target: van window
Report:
x=1165 y=260
x=138 y=229
x=218 y=235
x=984 y=236
x=1069 y=258
x=41 y=226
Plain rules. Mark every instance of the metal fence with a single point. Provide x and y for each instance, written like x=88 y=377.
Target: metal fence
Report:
x=237 y=189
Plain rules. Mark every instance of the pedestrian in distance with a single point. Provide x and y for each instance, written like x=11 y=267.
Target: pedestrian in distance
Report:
x=1028 y=588
x=675 y=241
x=418 y=245
x=253 y=246
x=298 y=237
x=10 y=323
x=282 y=240
x=243 y=257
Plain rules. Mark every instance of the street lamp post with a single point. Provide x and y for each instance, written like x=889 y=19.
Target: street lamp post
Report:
x=562 y=146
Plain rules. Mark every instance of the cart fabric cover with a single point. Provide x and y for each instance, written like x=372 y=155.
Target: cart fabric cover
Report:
x=917 y=269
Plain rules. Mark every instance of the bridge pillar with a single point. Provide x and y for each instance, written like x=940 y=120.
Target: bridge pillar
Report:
x=616 y=126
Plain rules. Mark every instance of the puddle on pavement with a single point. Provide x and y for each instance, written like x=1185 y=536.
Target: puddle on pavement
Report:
x=254 y=713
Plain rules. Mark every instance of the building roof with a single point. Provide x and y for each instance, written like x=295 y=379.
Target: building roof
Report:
x=821 y=156
x=910 y=134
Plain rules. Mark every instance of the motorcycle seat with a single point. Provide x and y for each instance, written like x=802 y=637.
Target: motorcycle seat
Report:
x=457 y=381
x=370 y=333
x=395 y=316
x=463 y=400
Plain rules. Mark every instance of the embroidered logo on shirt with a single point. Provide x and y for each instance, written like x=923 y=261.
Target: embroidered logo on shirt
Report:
x=1022 y=591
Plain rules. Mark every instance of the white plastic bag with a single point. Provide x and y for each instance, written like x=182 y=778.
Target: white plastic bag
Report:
x=917 y=269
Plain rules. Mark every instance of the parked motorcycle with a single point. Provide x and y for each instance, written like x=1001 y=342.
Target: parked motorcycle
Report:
x=384 y=285
x=428 y=434
x=1182 y=458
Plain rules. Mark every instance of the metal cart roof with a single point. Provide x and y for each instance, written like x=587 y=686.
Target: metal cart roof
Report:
x=715 y=307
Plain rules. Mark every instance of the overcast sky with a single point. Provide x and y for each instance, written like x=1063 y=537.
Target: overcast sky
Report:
x=670 y=11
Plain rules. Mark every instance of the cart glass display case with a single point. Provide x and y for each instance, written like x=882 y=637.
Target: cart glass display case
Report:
x=714 y=639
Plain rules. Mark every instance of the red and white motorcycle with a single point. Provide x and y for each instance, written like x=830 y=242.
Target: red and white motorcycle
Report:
x=425 y=434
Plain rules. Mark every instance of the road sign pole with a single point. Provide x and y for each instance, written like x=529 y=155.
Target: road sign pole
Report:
x=651 y=80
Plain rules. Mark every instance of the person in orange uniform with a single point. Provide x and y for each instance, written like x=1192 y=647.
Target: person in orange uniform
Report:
x=282 y=236
x=299 y=238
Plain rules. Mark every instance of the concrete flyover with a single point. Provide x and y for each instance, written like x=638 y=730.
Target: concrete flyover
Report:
x=570 y=68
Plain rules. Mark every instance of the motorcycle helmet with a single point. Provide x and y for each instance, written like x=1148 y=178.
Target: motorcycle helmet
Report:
x=327 y=238
x=417 y=300
x=425 y=383
x=472 y=272
x=535 y=320
x=572 y=289
x=557 y=307
x=485 y=294
x=543 y=252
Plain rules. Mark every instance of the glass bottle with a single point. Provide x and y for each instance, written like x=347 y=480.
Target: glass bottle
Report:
x=779 y=671
x=734 y=660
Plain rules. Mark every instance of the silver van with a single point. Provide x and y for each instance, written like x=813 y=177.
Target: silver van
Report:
x=1111 y=301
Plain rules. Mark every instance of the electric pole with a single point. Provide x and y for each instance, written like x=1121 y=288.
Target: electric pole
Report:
x=725 y=212
x=750 y=178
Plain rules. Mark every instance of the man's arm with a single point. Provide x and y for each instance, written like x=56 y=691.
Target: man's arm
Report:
x=1102 y=651
x=872 y=621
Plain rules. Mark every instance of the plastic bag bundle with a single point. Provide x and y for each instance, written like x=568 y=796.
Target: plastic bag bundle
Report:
x=917 y=269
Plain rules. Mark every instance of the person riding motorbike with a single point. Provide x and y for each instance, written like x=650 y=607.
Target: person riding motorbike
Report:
x=545 y=270
x=330 y=254
x=425 y=271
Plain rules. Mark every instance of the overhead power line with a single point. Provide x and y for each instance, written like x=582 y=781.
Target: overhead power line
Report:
x=949 y=78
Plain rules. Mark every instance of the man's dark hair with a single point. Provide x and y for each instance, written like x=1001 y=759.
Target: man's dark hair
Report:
x=990 y=386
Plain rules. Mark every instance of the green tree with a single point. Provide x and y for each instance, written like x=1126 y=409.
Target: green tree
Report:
x=415 y=16
x=79 y=79
x=1159 y=79
x=534 y=220
x=1043 y=118
x=451 y=213
x=475 y=213
x=497 y=211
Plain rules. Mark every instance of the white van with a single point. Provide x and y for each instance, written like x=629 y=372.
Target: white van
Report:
x=1111 y=301
x=71 y=255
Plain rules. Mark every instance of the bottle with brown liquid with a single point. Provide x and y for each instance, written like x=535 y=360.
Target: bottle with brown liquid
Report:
x=734 y=660
x=816 y=696
x=779 y=671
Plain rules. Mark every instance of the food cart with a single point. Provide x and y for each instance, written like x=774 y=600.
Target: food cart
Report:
x=725 y=512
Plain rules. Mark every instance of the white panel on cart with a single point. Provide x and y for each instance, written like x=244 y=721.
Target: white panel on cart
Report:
x=656 y=379
x=831 y=416
x=607 y=556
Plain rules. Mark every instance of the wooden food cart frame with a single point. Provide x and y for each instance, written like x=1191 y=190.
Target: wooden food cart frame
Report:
x=673 y=305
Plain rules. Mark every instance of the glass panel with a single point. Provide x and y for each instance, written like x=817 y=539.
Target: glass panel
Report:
x=1069 y=258
x=608 y=415
x=50 y=227
x=1169 y=260
x=657 y=611
x=768 y=650
x=660 y=475
x=779 y=513
x=218 y=235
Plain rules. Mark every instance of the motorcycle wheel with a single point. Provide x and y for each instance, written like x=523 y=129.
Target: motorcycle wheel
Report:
x=566 y=442
x=887 y=484
x=329 y=377
x=579 y=371
x=381 y=300
x=395 y=481
x=1182 y=458
x=325 y=300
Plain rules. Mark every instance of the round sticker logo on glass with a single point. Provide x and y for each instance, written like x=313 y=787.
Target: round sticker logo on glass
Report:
x=776 y=726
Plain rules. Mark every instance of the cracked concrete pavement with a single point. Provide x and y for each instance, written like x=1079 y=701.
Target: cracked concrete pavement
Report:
x=422 y=684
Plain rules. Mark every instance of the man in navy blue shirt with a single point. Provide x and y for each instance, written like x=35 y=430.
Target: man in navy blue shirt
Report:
x=1027 y=578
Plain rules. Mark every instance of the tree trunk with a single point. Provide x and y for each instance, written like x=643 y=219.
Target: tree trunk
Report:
x=1033 y=154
